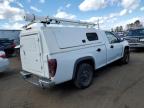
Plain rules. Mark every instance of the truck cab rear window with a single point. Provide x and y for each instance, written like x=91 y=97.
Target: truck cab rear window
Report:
x=92 y=36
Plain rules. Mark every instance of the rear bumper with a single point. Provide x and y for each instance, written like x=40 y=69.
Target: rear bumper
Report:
x=38 y=81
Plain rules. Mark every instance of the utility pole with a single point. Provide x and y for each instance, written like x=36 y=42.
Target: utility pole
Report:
x=98 y=24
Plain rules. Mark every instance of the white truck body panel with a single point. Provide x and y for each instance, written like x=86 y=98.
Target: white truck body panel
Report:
x=67 y=38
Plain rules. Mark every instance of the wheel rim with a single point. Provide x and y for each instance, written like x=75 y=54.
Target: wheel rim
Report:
x=85 y=77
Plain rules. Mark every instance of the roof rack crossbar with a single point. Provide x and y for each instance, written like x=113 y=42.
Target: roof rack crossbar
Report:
x=52 y=20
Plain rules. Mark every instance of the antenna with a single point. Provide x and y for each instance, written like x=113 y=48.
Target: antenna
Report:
x=52 y=20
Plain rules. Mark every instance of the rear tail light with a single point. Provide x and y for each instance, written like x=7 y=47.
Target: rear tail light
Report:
x=52 y=63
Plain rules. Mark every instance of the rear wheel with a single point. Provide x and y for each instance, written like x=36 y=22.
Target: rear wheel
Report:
x=84 y=76
x=126 y=57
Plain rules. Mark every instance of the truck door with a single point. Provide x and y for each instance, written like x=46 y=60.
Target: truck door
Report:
x=99 y=50
x=114 y=47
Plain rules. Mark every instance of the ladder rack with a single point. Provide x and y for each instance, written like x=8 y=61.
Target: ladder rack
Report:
x=52 y=20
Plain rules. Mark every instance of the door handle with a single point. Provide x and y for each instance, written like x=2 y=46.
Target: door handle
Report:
x=98 y=50
x=84 y=41
x=111 y=46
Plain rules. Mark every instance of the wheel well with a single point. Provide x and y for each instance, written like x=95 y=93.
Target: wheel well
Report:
x=127 y=47
x=79 y=62
x=89 y=61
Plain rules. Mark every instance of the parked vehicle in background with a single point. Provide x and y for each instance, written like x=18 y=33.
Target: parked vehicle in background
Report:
x=10 y=34
x=58 y=54
x=4 y=62
x=135 y=37
x=8 y=46
x=1 y=48
x=120 y=34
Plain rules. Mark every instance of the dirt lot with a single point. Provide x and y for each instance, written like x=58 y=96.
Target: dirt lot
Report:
x=114 y=86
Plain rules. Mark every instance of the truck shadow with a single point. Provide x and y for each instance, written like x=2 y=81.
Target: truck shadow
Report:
x=106 y=69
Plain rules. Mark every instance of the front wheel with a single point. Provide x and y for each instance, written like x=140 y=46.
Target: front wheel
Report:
x=126 y=57
x=84 y=76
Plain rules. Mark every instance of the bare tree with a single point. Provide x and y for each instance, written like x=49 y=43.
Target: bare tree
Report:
x=137 y=23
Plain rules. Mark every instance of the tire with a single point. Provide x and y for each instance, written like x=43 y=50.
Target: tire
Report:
x=84 y=76
x=126 y=57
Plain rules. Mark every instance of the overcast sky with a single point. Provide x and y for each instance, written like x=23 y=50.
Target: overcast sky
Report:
x=111 y=13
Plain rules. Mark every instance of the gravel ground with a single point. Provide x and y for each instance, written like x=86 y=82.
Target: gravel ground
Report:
x=114 y=86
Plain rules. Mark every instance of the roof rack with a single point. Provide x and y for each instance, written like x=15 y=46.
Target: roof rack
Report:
x=52 y=20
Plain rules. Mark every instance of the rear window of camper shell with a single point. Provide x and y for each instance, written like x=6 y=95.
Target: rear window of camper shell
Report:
x=92 y=36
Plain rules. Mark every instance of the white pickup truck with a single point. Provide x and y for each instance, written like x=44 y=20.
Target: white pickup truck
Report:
x=53 y=55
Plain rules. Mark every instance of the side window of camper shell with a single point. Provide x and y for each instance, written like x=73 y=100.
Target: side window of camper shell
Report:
x=92 y=36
